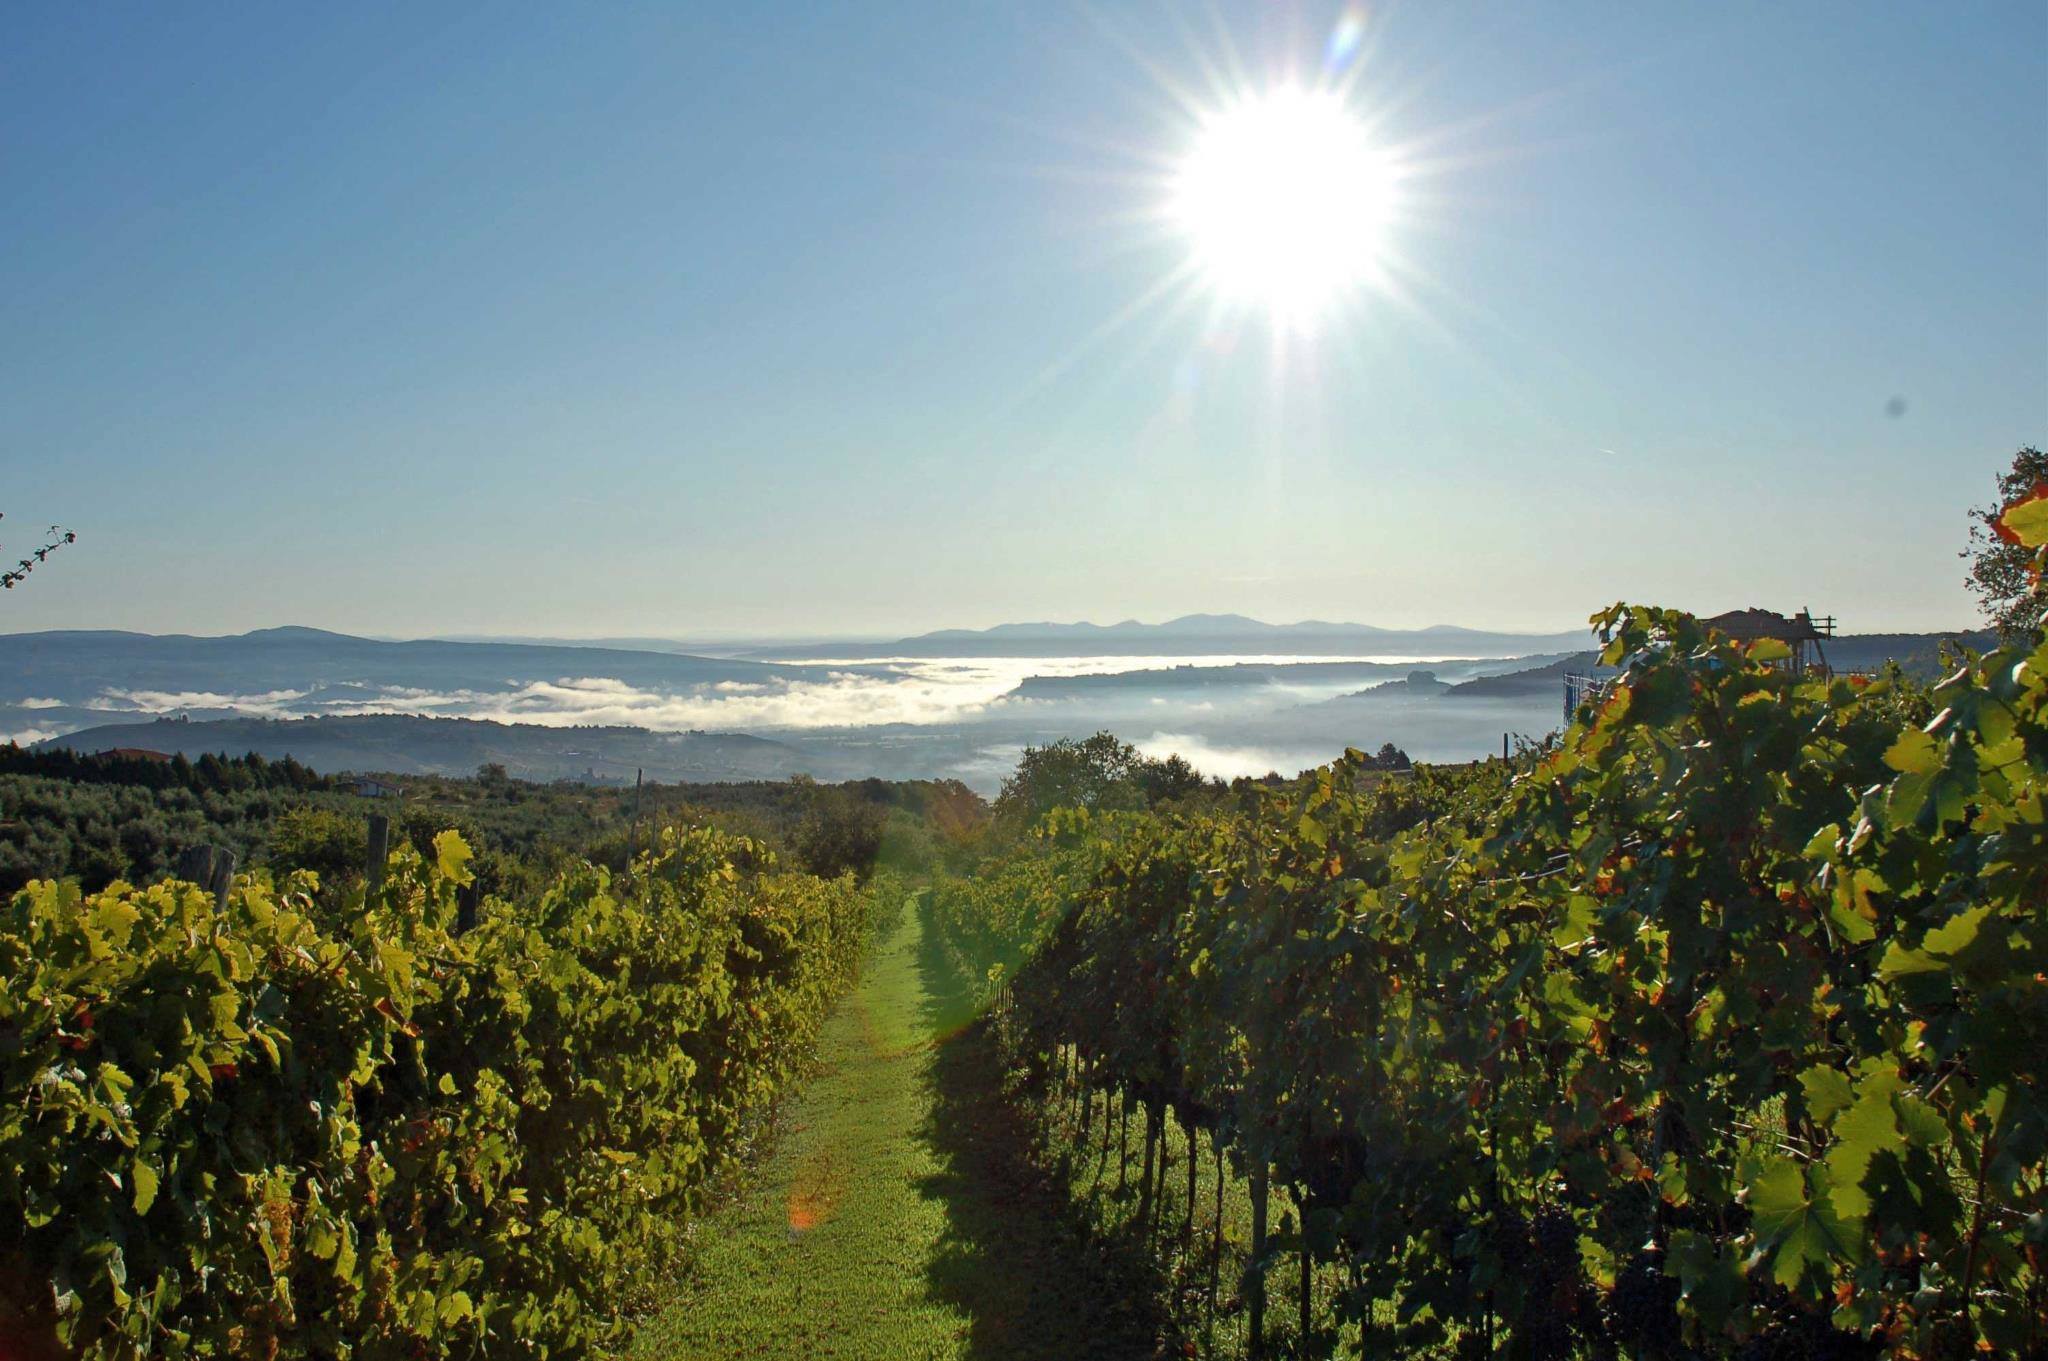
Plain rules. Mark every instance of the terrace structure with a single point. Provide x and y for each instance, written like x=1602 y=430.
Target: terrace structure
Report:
x=1803 y=632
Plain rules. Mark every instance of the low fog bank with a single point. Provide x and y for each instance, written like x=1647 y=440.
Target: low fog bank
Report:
x=962 y=718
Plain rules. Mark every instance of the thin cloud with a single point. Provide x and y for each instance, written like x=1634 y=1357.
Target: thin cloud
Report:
x=268 y=704
x=28 y=737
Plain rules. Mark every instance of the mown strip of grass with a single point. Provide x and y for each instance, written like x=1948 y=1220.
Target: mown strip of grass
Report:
x=904 y=1212
x=824 y=1253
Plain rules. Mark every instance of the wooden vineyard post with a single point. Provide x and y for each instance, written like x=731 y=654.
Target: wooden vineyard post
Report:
x=210 y=867
x=1308 y=1264
x=1123 y=1138
x=379 y=851
x=1216 y=1238
x=1146 y=1205
x=1159 y=1193
x=223 y=874
x=1256 y=1269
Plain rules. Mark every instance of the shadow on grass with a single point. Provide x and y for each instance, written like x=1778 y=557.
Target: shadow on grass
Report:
x=1019 y=1256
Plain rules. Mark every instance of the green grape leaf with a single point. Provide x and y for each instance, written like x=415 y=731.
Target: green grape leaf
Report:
x=1862 y=1132
x=1710 y=1278
x=1920 y=1122
x=1827 y=1092
x=1957 y=934
x=1795 y=1222
x=1899 y=961
x=1577 y=924
x=1907 y=798
x=1914 y=753
x=144 y=1179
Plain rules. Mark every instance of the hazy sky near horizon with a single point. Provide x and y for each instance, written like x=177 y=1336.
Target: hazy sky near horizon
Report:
x=746 y=320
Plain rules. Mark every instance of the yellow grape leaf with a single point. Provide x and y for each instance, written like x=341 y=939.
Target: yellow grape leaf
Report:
x=452 y=855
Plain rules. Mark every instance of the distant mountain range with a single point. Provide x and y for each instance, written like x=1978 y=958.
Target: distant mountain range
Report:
x=1197 y=635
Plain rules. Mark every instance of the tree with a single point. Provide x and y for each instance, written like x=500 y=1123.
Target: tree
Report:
x=2001 y=571
x=329 y=843
x=1096 y=772
x=1169 y=779
x=840 y=833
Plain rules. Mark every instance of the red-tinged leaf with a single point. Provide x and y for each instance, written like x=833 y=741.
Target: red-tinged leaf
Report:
x=2025 y=522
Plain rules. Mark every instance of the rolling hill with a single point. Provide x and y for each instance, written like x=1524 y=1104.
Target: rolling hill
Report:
x=408 y=744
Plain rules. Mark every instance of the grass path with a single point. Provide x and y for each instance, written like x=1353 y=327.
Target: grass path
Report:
x=900 y=1215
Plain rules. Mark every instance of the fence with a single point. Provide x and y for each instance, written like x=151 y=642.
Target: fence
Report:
x=1580 y=687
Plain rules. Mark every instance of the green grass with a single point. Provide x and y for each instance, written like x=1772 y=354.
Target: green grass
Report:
x=904 y=1211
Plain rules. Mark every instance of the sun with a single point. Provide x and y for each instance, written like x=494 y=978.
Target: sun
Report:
x=1285 y=201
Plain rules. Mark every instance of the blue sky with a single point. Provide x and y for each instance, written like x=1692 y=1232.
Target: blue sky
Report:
x=746 y=321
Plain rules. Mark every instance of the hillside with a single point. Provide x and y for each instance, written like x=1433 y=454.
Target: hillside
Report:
x=410 y=744
x=75 y=666
x=1918 y=653
x=1238 y=675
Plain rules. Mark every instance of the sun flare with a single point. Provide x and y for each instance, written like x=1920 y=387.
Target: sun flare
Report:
x=1285 y=201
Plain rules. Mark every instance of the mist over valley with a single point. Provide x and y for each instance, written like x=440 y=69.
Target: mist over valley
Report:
x=897 y=709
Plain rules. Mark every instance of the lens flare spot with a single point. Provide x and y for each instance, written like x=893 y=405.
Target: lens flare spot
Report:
x=1345 y=40
x=816 y=1190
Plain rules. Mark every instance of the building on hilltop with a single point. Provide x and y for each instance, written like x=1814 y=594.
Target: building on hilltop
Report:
x=1803 y=633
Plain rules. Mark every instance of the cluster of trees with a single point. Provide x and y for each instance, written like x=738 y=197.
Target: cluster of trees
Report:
x=97 y=833
x=97 y=818
x=211 y=773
